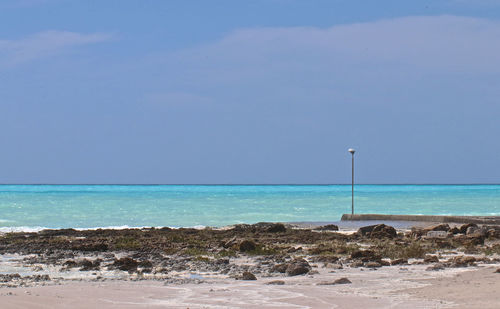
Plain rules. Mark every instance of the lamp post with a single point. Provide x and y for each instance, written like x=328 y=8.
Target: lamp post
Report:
x=352 y=151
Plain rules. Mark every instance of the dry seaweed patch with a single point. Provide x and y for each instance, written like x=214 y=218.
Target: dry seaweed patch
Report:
x=412 y=249
x=335 y=247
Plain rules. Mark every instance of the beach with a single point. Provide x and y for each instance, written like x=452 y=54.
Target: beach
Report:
x=266 y=265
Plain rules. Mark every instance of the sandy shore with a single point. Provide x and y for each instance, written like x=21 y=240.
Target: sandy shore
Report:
x=391 y=287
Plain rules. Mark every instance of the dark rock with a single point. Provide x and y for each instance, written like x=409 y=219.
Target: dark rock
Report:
x=99 y=247
x=338 y=281
x=126 y=264
x=85 y=265
x=399 y=261
x=357 y=264
x=279 y=268
x=145 y=264
x=276 y=228
x=366 y=255
x=377 y=231
x=298 y=267
x=37 y=278
x=324 y=258
x=463 y=228
x=328 y=227
x=9 y=277
x=383 y=231
x=437 y=266
x=462 y=261
x=276 y=282
x=440 y=227
x=229 y=243
x=70 y=264
x=454 y=230
x=431 y=259
x=342 y=281
x=222 y=262
x=366 y=230
x=373 y=265
x=248 y=276
x=247 y=245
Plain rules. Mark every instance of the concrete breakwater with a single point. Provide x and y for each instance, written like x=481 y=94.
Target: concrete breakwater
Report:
x=423 y=218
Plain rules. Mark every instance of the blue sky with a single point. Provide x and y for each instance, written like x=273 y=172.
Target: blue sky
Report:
x=269 y=91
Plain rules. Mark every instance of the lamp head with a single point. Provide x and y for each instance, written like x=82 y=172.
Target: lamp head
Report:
x=351 y=150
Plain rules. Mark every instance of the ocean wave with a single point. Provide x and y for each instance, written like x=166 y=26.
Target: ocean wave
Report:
x=25 y=229
x=36 y=229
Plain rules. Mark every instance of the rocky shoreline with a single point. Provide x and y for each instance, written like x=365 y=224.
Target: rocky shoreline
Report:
x=241 y=252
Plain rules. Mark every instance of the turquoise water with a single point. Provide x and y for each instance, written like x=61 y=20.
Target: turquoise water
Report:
x=25 y=207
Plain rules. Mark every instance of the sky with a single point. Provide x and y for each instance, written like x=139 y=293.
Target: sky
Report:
x=249 y=92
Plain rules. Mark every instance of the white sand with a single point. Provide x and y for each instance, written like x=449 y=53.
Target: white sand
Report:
x=388 y=287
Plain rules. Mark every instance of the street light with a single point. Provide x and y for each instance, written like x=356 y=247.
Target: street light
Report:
x=352 y=151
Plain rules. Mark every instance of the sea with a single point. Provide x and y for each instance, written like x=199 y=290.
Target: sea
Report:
x=36 y=207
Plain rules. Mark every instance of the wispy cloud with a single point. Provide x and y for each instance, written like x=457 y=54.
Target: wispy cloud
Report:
x=446 y=42
x=45 y=44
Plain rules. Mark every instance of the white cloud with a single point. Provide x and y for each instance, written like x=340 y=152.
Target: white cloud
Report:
x=44 y=44
x=435 y=42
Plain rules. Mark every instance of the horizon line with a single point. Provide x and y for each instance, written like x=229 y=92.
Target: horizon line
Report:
x=241 y=184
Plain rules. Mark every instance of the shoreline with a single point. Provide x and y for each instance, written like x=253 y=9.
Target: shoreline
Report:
x=381 y=265
x=346 y=225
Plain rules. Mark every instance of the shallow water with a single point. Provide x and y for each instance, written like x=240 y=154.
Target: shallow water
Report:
x=32 y=207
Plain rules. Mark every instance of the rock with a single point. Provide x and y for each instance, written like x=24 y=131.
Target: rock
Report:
x=384 y=263
x=383 y=231
x=279 y=268
x=126 y=264
x=497 y=271
x=222 y=262
x=473 y=229
x=87 y=265
x=357 y=264
x=70 y=264
x=298 y=267
x=229 y=243
x=454 y=230
x=373 y=265
x=493 y=233
x=247 y=245
x=399 y=261
x=462 y=261
x=431 y=259
x=437 y=266
x=377 y=231
x=328 y=227
x=276 y=282
x=276 y=228
x=440 y=227
x=366 y=255
x=145 y=264
x=365 y=230
x=342 y=281
x=338 y=281
x=9 y=277
x=325 y=258
x=463 y=228
x=248 y=276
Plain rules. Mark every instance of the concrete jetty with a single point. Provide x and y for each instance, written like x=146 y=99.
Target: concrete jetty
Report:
x=423 y=218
